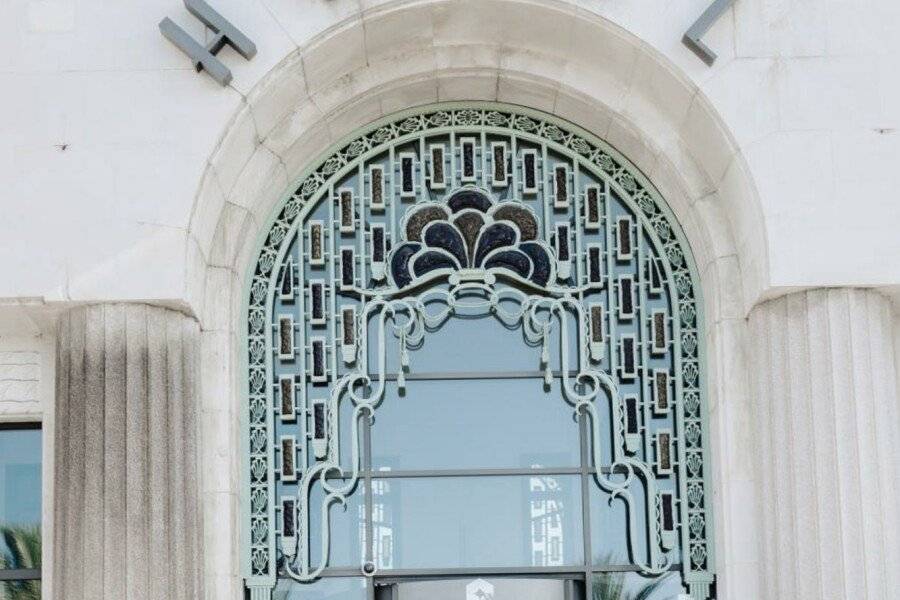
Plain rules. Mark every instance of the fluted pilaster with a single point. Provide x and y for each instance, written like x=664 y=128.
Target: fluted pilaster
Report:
x=126 y=484
x=826 y=404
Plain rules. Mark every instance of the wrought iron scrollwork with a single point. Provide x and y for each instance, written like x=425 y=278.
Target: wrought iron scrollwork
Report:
x=468 y=210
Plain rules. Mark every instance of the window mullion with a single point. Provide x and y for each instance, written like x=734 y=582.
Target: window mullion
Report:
x=586 y=473
x=367 y=483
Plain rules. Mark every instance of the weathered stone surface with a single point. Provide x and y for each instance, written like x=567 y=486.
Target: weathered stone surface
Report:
x=126 y=487
x=827 y=419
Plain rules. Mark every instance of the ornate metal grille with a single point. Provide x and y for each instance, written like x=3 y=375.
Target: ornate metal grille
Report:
x=460 y=210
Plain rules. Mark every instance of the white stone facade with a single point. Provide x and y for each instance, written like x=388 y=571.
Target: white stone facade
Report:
x=129 y=177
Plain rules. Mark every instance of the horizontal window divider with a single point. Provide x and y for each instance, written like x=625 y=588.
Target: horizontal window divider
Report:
x=674 y=567
x=375 y=474
x=27 y=424
x=443 y=576
x=20 y=574
x=388 y=576
x=393 y=575
x=473 y=375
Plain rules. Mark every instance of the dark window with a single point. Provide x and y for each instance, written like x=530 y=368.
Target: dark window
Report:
x=626 y=298
x=562 y=241
x=347 y=276
x=624 y=238
x=20 y=510
x=530 y=168
x=562 y=187
x=347 y=220
x=631 y=415
x=315 y=243
x=377 y=243
x=592 y=209
x=288 y=518
x=595 y=266
x=286 y=337
x=318 y=360
x=288 y=472
x=668 y=512
x=597 y=323
x=437 y=166
x=377 y=201
x=499 y=164
x=468 y=159
x=406 y=174
x=348 y=316
x=287 y=397
x=317 y=291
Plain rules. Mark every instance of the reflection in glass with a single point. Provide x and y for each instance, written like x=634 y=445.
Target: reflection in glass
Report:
x=20 y=509
x=446 y=522
x=632 y=586
x=336 y=588
x=609 y=525
x=382 y=524
x=491 y=588
x=348 y=528
x=547 y=506
x=471 y=344
x=455 y=424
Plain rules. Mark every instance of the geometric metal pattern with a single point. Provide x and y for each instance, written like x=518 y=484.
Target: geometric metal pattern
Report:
x=463 y=209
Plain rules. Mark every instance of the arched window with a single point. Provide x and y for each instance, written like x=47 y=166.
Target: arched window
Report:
x=475 y=369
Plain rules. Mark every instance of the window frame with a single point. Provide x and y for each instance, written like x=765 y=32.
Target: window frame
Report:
x=21 y=575
x=679 y=274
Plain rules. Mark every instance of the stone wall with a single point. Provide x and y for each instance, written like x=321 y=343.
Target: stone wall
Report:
x=20 y=377
x=132 y=178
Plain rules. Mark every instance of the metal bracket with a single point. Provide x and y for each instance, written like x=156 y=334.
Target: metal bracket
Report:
x=204 y=58
x=692 y=36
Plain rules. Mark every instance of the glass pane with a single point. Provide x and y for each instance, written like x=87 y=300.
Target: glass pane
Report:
x=348 y=527
x=493 y=588
x=335 y=588
x=609 y=525
x=616 y=586
x=492 y=423
x=473 y=344
x=443 y=522
x=20 y=498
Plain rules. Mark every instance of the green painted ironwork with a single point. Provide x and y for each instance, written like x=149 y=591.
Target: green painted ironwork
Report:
x=574 y=247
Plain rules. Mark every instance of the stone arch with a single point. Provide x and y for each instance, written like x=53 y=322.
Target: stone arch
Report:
x=630 y=96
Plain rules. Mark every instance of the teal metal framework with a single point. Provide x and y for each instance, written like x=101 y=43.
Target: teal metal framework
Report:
x=474 y=209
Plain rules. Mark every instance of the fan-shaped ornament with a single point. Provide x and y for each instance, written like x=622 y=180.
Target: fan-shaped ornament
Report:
x=472 y=235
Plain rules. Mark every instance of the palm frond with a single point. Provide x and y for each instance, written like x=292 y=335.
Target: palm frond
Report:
x=23 y=551
x=649 y=588
x=23 y=545
x=615 y=585
x=608 y=586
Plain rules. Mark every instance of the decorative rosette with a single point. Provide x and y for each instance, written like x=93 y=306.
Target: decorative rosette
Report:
x=471 y=232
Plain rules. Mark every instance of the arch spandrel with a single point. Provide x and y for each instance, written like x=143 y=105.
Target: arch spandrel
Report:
x=500 y=204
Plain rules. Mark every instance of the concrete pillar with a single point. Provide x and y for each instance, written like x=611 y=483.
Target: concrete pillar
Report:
x=825 y=395
x=126 y=475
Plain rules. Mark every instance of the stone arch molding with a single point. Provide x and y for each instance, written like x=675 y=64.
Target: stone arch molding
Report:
x=403 y=54
x=357 y=72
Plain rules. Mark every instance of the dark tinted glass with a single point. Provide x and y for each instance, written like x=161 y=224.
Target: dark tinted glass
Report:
x=20 y=508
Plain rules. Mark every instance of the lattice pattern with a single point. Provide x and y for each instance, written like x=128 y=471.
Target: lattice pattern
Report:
x=451 y=197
